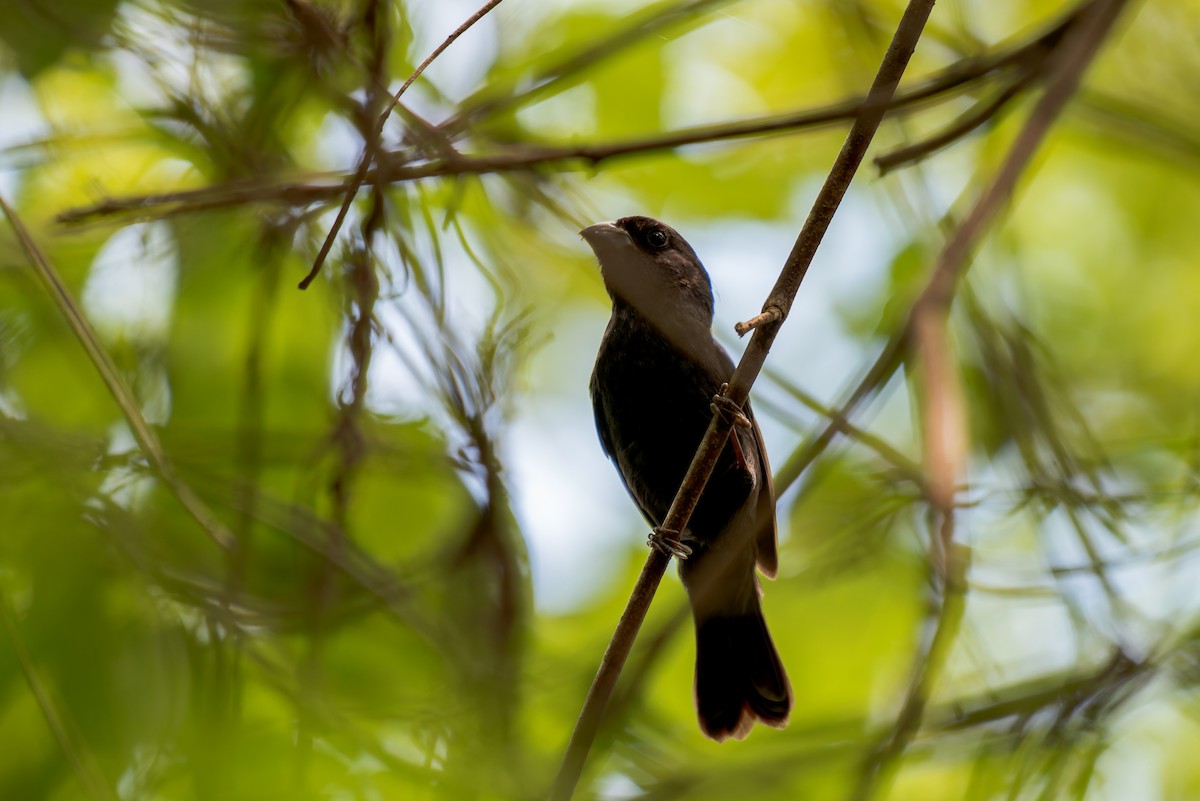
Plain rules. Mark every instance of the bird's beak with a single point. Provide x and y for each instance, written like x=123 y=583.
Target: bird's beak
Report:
x=610 y=243
x=605 y=232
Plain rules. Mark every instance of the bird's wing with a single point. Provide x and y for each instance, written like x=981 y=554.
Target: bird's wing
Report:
x=602 y=421
x=603 y=429
x=767 y=538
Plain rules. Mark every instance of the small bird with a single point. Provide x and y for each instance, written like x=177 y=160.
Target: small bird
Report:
x=653 y=394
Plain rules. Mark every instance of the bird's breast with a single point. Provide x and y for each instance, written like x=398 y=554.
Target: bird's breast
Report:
x=655 y=400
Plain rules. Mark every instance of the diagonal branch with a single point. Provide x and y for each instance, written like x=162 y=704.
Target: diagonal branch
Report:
x=374 y=140
x=980 y=114
x=927 y=330
x=397 y=166
x=146 y=438
x=867 y=122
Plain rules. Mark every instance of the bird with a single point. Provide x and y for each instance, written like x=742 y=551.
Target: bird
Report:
x=658 y=375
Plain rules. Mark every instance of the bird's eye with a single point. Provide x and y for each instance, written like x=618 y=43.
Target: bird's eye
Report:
x=656 y=238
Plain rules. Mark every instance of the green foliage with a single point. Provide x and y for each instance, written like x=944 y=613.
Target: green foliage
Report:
x=375 y=630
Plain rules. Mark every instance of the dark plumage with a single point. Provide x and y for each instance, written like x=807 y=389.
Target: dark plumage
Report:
x=655 y=375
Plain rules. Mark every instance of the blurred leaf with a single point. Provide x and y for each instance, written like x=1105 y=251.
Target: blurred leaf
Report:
x=39 y=34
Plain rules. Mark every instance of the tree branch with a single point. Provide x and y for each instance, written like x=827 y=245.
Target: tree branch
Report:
x=373 y=141
x=142 y=432
x=398 y=166
x=964 y=125
x=927 y=326
x=866 y=123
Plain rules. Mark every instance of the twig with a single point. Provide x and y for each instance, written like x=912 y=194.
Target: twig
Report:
x=1027 y=699
x=1029 y=62
x=834 y=189
x=967 y=123
x=1083 y=44
x=806 y=453
x=768 y=315
x=373 y=142
x=842 y=425
x=396 y=167
x=945 y=446
x=146 y=438
x=927 y=325
x=943 y=420
x=1062 y=695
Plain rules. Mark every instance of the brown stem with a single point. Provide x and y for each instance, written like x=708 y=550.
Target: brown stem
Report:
x=927 y=324
x=963 y=126
x=145 y=436
x=396 y=167
x=373 y=141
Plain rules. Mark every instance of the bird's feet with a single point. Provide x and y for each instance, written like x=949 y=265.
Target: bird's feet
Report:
x=666 y=541
x=725 y=406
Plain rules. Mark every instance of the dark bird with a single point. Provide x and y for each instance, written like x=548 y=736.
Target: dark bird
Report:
x=653 y=392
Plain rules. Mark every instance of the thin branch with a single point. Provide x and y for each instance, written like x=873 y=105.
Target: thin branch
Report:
x=877 y=376
x=1025 y=700
x=396 y=166
x=977 y=116
x=1063 y=695
x=943 y=424
x=1084 y=42
x=373 y=141
x=927 y=324
x=861 y=133
x=146 y=438
x=842 y=425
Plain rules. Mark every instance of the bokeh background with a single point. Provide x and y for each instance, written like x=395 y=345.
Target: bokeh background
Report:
x=360 y=542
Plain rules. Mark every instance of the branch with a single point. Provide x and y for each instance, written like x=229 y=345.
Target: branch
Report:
x=838 y=422
x=977 y=116
x=1028 y=699
x=397 y=166
x=870 y=115
x=877 y=376
x=373 y=141
x=880 y=763
x=142 y=432
x=927 y=328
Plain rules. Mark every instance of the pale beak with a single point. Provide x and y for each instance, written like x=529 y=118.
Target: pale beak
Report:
x=606 y=232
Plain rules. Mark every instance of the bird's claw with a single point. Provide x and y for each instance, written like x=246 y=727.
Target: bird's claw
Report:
x=666 y=541
x=725 y=406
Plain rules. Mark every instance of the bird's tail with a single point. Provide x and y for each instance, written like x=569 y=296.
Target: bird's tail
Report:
x=739 y=677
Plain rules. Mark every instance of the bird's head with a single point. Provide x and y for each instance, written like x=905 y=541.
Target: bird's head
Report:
x=649 y=267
